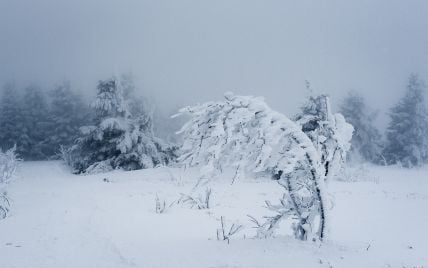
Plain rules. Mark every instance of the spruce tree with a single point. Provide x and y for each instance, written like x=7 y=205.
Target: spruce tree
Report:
x=12 y=128
x=68 y=113
x=407 y=133
x=37 y=124
x=366 y=141
x=118 y=139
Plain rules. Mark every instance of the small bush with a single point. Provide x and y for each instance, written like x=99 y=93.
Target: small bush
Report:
x=4 y=205
x=8 y=164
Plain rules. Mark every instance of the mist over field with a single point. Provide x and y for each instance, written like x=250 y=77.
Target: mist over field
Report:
x=213 y=134
x=183 y=52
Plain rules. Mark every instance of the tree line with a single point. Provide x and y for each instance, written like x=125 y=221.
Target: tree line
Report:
x=406 y=138
x=41 y=122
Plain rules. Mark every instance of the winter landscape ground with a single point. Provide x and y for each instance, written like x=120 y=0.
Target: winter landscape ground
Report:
x=58 y=219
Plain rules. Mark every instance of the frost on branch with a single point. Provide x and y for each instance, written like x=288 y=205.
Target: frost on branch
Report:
x=244 y=133
x=330 y=133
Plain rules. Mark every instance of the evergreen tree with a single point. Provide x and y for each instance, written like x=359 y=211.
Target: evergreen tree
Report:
x=118 y=139
x=366 y=141
x=407 y=133
x=12 y=131
x=67 y=114
x=37 y=125
x=162 y=125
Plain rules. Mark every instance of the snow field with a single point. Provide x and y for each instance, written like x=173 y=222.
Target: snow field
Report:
x=110 y=220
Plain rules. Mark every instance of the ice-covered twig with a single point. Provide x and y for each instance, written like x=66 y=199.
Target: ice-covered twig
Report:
x=224 y=233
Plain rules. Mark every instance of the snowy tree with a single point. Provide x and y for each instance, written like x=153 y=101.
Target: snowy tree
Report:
x=407 y=133
x=118 y=140
x=366 y=141
x=12 y=129
x=35 y=127
x=163 y=125
x=244 y=133
x=37 y=124
x=67 y=114
x=330 y=133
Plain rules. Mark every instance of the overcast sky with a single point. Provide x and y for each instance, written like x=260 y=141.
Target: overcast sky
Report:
x=187 y=51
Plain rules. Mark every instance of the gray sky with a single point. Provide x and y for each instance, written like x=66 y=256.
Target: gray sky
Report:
x=185 y=51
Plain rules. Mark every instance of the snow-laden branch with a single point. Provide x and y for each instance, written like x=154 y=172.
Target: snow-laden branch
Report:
x=245 y=133
x=330 y=133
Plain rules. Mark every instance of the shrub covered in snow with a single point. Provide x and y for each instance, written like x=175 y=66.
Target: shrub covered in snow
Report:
x=4 y=205
x=245 y=133
x=119 y=138
x=8 y=164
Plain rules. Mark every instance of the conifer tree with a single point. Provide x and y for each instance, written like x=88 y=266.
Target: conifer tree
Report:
x=407 y=133
x=37 y=124
x=68 y=113
x=118 y=139
x=366 y=141
x=12 y=129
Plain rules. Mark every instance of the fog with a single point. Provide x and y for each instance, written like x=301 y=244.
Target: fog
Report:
x=187 y=51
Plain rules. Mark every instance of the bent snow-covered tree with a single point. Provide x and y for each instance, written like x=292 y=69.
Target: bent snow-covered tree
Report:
x=330 y=133
x=119 y=139
x=244 y=133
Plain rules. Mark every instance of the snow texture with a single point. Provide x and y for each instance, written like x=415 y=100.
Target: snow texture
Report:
x=109 y=220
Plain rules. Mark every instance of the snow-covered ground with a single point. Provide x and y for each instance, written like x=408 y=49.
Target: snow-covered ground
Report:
x=109 y=220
